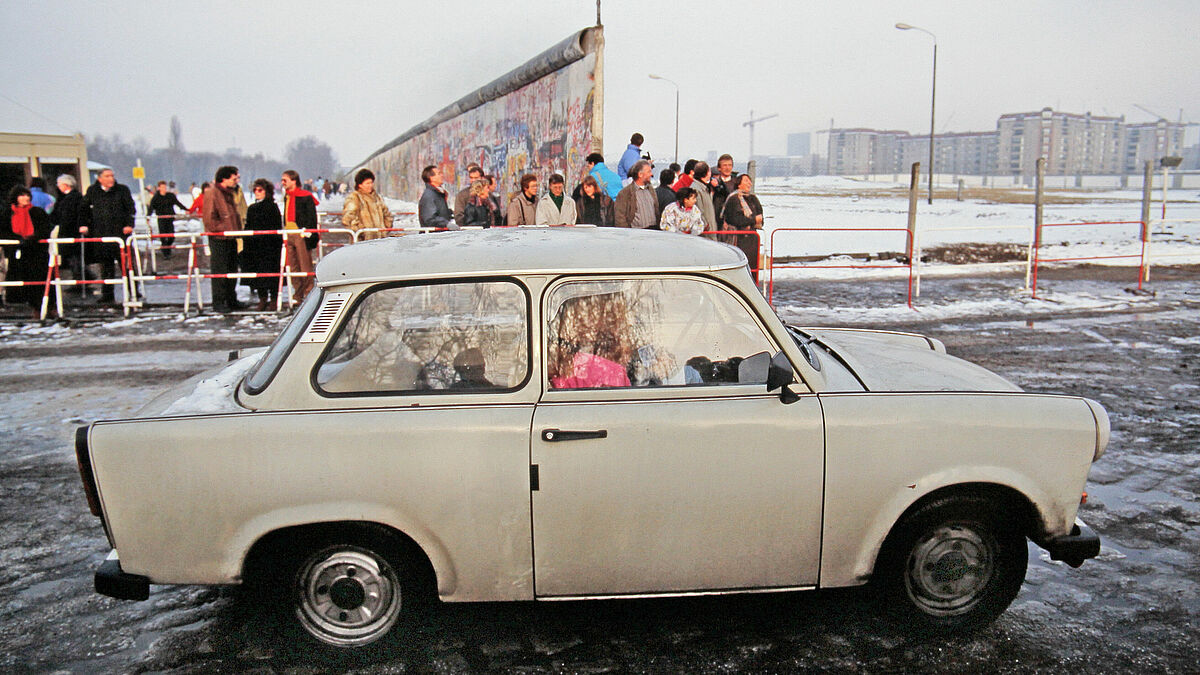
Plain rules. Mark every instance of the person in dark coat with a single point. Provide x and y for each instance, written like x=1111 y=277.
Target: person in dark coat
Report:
x=479 y=210
x=66 y=216
x=743 y=211
x=162 y=205
x=593 y=206
x=107 y=212
x=433 y=210
x=260 y=253
x=722 y=184
x=666 y=193
x=28 y=260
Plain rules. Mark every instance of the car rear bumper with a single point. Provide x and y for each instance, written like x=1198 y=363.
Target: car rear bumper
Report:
x=114 y=582
x=1082 y=543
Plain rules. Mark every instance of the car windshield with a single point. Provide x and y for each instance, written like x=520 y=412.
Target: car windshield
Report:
x=260 y=376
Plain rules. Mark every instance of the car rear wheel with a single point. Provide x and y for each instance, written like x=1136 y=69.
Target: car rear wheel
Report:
x=347 y=595
x=953 y=564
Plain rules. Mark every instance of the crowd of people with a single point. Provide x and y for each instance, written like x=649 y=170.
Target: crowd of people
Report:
x=691 y=199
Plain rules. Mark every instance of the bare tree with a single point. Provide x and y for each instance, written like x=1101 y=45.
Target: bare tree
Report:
x=311 y=157
x=175 y=139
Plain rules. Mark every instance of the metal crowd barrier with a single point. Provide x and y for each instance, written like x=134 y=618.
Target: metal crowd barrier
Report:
x=772 y=265
x=1140 y=255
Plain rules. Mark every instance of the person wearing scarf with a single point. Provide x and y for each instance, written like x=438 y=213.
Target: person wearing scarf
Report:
x=480 y=210
x=299 y=213
x=29 y=259
x=593 y=205
x=743 y=211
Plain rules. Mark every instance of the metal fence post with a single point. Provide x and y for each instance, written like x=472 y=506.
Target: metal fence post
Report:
x=1147 y=189
x=1035 y=242
x=914 y=251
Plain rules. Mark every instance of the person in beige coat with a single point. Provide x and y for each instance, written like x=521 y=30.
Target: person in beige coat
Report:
x=364 y=209
x=522 y=208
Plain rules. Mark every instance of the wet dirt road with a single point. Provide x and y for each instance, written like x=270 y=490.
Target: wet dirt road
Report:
x=1135 y=609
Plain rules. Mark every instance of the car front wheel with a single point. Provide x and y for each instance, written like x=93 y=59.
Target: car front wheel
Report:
x=953 y=564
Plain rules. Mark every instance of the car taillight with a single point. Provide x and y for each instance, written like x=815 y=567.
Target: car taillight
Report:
x=85 y=471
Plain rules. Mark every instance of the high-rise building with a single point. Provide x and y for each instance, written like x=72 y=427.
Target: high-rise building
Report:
x=799 y=145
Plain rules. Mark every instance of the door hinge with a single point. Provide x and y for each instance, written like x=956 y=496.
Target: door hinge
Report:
x=534 y=483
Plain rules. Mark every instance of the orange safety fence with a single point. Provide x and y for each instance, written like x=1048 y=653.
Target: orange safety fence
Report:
x=772 y=265
x=1140 y=255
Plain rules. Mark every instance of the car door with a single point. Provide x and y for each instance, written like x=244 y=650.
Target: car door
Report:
x=660 y=462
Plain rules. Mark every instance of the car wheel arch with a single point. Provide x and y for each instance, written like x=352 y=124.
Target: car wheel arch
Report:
x=279 y=544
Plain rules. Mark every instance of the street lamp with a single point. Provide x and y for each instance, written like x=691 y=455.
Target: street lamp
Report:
x=659 y=77
x=932 y=102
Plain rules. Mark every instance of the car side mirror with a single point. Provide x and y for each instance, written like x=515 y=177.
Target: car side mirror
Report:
x=779 y=376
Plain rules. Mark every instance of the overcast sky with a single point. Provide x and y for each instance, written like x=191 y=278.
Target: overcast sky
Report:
x=356 y=74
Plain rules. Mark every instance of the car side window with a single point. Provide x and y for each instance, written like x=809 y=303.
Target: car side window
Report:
x=451 y=337
x=651 y=333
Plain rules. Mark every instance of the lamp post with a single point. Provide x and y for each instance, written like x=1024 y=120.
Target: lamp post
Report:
x=659 y=77
x=932 y=101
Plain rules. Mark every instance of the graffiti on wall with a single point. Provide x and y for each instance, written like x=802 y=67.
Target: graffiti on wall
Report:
x=542 y=127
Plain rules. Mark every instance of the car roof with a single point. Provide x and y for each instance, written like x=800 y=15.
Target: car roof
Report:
x=524 y=250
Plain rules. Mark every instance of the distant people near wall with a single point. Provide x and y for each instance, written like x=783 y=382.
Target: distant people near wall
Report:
x=480 y=210
x=260 y=253
x=29 y=260
x=497 y=201
x=299 y=213
x=220 y=215
x=522 y=208
x=198 y=201
x=682 y=215
x=162 y=209
x=364 y=211
x=555 y=207
x=474 y=173
x=704 y=201
x=39 y=197
x=108 y=211
x=631 y=156
x=637 y=204
x=608 y=181
x=593 y=206
x=743 y=211
x=327 y=188
x=195 y=191
x=722 y=184
x=66 y=216
x=433 y=209
x=665 y=194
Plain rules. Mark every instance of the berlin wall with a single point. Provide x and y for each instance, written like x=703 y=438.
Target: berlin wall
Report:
x=543 y=117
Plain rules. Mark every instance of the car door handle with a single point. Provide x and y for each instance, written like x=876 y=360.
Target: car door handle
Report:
x=556 y=435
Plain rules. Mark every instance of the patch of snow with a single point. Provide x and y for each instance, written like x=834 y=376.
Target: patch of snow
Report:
x=214 y=394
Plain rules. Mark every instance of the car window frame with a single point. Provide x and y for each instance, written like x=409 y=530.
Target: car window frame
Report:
x=299 y=322
x=669 y=391
x=336 y=333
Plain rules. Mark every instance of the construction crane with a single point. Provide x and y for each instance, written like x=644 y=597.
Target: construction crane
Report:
x=750 y=123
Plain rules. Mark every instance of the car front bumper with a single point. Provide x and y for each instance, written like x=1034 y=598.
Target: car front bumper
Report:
x=1082 y=543
x=114 y=582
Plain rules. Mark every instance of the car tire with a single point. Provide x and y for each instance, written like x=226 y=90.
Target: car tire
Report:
x=952 y=564
x=349 y=593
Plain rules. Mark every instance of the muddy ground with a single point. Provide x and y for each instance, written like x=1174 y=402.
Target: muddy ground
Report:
x=1135 y=609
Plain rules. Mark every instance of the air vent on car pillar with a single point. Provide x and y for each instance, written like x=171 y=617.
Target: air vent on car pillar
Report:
x=326 y=318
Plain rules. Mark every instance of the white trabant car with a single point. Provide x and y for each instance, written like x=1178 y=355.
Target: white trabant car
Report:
x=570 y=413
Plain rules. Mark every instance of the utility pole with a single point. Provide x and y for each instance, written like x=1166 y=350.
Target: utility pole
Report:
x=750 y=123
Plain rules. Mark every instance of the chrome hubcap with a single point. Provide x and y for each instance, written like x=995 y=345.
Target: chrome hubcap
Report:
x=347 y=596
x=948 y=569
